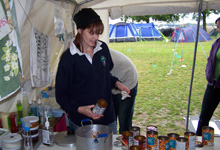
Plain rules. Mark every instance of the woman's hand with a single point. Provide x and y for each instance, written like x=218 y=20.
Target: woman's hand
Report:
x=86 y=110
x=122 y=87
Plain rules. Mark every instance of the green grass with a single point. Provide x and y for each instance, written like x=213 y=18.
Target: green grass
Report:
x=162 y=99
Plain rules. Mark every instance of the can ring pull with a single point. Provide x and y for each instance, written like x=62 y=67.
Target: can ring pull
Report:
x=86 y=120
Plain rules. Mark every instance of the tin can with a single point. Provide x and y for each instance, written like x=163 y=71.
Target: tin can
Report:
x=140 y=140
x=100 y=107
x=162 y=143
x=152 y=140
x=191 y=136
x=127 y=139
x=172 y=140
x=207 y=136
x=151 y=128
x=182 y=143
x=135 y=147
x=135 y=130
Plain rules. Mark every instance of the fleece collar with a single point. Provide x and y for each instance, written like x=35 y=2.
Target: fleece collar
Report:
x=74 y=50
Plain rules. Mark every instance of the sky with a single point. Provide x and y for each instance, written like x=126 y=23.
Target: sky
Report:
x=186 y=19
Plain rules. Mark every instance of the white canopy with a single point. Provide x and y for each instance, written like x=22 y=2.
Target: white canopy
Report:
x=117 y=8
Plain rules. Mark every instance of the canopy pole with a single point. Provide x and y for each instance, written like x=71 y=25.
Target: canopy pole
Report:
x=194 y=61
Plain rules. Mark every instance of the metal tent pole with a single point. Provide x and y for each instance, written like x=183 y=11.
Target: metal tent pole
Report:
x=194 y=61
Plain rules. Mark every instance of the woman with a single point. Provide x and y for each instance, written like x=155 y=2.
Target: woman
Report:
x=212 y=94
x=83 y=74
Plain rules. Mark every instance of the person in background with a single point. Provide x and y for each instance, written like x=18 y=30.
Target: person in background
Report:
x=126 y=72
x=212 y=94
x=83 y=74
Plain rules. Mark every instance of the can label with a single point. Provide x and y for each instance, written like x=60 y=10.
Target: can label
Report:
x=208 y=136
x=182 y=144
x=191 y=136
x=140 y=141
x=162 y=143
x=151 y=128
x=135 y=130
x=98 y=109
x=172 y=140
x=152 y=140
x=127 y=139
x=172 y=144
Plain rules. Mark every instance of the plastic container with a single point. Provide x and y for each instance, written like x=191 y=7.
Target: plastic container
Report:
x=11 y=141
x=34 y=120
x=3 y=132
x=25 y=103
x=40 y=111
x=34 y=138
x=19 y=112
x=4 y=117
x=34 y=130
x=28 y=145
x=47 y=134
x=13 y=117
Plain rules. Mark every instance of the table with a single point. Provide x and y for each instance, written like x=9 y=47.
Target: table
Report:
x=57 y=147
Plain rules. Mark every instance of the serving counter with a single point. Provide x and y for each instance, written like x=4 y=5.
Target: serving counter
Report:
x=57 y=147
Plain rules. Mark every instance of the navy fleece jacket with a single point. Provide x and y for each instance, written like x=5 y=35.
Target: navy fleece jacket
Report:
x=80 y=83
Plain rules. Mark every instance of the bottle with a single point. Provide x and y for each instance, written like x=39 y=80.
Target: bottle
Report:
x=34 y=108
x=19 y=112
x=13 y=124
x=40 y=112
x=28 y=145
x=47 y=107
x=47 y=134
x=100 y=107
x=25 y=103
x=30 y=113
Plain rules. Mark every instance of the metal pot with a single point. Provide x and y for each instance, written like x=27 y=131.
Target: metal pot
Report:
x=93 y=137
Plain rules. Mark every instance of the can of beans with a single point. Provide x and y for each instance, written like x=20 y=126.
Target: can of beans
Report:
x=182 y=143
x=162 y=143
x=207 y=136
x=127 y=139
x=152 y=140
x=135 y=130
x=191 y=136
x=172 y=140
x=151 y=128
x=135 y=147
x=140 y=140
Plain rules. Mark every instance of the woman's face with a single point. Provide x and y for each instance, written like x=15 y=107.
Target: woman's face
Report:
x=88 y=37
x=218 y=26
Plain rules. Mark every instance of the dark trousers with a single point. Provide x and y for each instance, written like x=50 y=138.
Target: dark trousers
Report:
x=210 y=102
x=124 y=109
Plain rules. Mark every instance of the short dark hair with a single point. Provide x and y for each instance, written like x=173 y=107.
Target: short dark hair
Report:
x=217 y=20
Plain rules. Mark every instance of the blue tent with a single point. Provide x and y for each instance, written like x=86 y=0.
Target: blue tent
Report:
x=147 y=31
x=188 y=34
x=122 y=32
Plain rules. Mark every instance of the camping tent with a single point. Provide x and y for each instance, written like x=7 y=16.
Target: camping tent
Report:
x=122 y=32
x=40 y=15
x=188 y=34
x=147 y=31
x=167 y=31
x=214 y=32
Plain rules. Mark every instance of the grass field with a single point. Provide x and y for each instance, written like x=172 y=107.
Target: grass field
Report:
x=162 y=98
